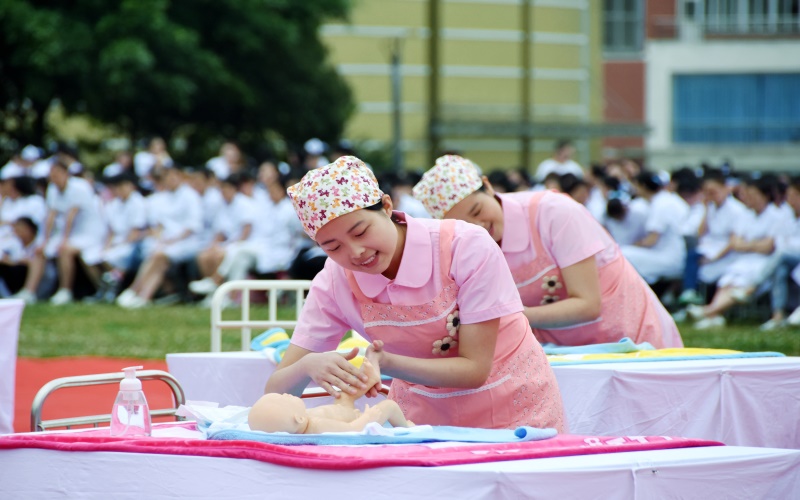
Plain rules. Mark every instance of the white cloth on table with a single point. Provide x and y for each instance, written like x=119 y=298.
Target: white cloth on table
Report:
x=698 y=473
x=10 y=317
x=726 y=400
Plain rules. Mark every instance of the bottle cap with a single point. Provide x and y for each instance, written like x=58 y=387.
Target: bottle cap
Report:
x=130 y=382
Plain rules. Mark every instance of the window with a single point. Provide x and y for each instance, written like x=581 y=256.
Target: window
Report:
x=623 y=23
x=752 y=17
x=754 y=108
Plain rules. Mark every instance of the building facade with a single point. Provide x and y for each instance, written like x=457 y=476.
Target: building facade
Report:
x=498 y=80
x=715 y=81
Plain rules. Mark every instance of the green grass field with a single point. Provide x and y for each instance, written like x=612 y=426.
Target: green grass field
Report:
x=106 y=330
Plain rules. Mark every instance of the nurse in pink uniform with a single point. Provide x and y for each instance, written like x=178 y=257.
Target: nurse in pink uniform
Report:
x=576 y=285
x=435 y=298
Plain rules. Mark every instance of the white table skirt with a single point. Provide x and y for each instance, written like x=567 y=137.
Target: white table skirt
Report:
x=742 y=402
x=689 y=473
x=10 y=316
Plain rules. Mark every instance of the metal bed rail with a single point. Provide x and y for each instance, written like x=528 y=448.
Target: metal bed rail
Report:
x=37 y=424
x=245 y=324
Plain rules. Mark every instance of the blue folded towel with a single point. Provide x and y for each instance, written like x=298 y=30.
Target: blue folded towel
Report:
x=624 y=345
x=765 y=354
x=397 y=435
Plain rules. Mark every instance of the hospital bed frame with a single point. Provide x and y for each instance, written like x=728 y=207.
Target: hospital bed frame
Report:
x=37 y=424
x=245 y=324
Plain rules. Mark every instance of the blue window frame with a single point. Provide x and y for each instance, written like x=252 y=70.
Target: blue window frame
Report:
x=748 y=108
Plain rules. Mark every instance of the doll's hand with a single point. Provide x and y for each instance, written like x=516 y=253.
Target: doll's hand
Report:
x=330 y=370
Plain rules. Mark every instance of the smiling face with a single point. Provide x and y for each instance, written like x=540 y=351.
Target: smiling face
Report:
x=364 y=240
x=480 y=208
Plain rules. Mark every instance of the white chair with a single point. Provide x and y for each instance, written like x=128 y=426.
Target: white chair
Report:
x=244 y=323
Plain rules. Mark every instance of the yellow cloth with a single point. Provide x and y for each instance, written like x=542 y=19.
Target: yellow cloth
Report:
x=657 y=353
x=349 y=343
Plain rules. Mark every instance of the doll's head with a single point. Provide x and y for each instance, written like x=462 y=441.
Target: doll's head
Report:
x=278 y=413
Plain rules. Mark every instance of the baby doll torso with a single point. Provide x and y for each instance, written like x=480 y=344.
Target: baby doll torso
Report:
x=343 y=410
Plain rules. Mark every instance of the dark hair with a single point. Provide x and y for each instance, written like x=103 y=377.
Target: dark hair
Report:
x=234 y=180
x=116 y=180
x=616 y=209
x=688 y=185
x=650 y=180
x=499 y=178
x=765 y=184
x=794 y=182
x=598 y=170
x=27 y=221
x=570 y=182
x=612 y=183
x=376 y=207
x=714 y=175
x=25 y=185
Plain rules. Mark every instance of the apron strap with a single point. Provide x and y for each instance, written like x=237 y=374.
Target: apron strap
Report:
x=446 y=233
x=533 y=211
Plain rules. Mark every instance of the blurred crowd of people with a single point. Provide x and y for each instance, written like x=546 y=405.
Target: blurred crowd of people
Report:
x=148 y=230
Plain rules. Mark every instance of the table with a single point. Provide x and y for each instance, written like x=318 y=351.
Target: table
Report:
x=742 y=402
x=701 y=473
x=10 y=317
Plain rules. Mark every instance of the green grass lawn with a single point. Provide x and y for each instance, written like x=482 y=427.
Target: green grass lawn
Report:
x=106 y=330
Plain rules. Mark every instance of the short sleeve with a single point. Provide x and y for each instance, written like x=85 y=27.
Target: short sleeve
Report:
x=658 y=220
x=81 y=196
x=486 y=288
x=322 y=322
x=568 y=230
x=137 y=213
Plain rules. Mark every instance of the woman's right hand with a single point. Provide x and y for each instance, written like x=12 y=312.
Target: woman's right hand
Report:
x=331 y=370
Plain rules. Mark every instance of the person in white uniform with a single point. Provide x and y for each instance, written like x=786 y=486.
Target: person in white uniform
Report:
x=625 y=219
x=73 y=225
x=778 y=271
x=269 y=250
x=19 y=199
x=126 y=217
x=561 y=163
x=176 y=220
x=661 y=254
x=15 y=259
x=751 y=245
x=232 y=226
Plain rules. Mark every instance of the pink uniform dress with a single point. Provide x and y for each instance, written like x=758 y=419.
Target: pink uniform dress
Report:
x=629 y=307
x=521 y=388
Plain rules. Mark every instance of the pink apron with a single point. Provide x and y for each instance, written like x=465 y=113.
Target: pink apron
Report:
x=521 y=388
x=627 y=305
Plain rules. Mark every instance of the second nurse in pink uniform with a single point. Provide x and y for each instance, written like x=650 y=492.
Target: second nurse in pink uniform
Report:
x=436 y=299
x=576 y=285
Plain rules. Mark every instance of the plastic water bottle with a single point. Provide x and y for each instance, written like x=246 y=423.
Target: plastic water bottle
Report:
x=130 y=415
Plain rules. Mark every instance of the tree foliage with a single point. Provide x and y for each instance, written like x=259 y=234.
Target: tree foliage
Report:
x=205 y=68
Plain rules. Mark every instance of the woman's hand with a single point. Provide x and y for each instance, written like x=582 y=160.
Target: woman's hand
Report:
x=331 y=370
x=375 y=354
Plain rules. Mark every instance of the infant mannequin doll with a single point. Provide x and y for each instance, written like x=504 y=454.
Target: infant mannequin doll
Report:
x=287 y=413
